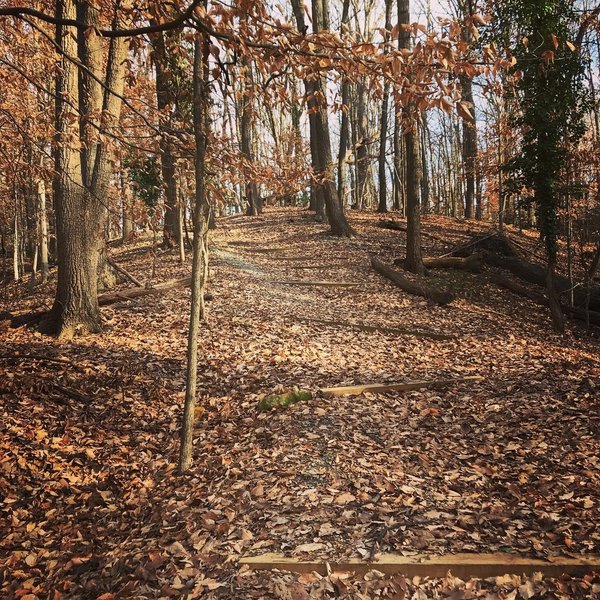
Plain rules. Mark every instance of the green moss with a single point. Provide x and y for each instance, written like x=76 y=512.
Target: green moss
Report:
x=270 y=402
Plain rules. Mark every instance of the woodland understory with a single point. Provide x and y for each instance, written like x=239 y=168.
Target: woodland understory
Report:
x=92 y=505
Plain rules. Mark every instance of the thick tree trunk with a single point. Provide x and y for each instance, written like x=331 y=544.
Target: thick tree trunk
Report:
x=473 y=263
x=83 y=170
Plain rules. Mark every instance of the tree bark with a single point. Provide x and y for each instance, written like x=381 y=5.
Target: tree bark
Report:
x=16 y=244
x=414 y=261
x=473 y=263
x=383 y=129
x=247 y=136
x=345 y=121
x=317 y=105
x=364 y=173
x=166 y=102
x=82 y=172
x=200 y=247
x=42 y=218
x=469 y=148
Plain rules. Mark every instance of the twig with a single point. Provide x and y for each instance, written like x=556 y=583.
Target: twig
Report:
x=74 y=394
x=35 y=357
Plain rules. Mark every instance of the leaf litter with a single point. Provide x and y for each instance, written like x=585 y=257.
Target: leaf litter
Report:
x=90 y=502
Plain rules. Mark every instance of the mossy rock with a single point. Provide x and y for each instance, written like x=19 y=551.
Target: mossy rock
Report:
x=275 y=400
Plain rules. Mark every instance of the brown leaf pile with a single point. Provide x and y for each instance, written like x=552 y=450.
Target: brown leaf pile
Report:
x=91 y=505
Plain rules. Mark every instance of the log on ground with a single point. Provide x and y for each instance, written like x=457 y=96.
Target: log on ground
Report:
x=124 y=272
x=533 y=273
x=391 y=224
x=492 y=242
x=138 y=292
x=382 y=388
x=441 y=297
x=539 y=298
x=473 y=263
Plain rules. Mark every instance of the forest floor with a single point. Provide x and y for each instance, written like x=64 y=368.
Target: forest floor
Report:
x=91 y=505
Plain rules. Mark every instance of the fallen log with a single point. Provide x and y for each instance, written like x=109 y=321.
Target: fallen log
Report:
x=540 y=298
x=391 y=224
x=473 y=263
x=493 y=242
x=396 y=226
x=138 y=292
x=382 y=388
x=124 y=272
x=441 y=297
x=536 y=274
x=386 y=330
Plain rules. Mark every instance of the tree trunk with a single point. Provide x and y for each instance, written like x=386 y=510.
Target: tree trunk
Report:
x=317 y=105
x=414 y=262
x=126 y=209
x=345 y=122
x=200 y=248
x=42 y=219
x=383 y=129
x=469 y=148
x=82 y=172
x=247 y=136
x=398 y=175
x=166 y=101
x=16 y=244
x=364 y=175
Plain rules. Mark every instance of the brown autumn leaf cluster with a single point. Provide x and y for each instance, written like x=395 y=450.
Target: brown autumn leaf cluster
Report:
x=91 y=505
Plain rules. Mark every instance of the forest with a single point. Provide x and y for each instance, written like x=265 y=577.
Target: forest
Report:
x=300 y=299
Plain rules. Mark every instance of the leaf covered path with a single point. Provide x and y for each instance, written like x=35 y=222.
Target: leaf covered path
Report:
x=91 y=505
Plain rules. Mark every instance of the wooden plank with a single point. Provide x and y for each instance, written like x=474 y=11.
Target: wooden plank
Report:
x=387 y=330
x=313 y=266
x=307 y=258
x=380 y=388
x=319 y=283
x=263 y=250
x=464 y=565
